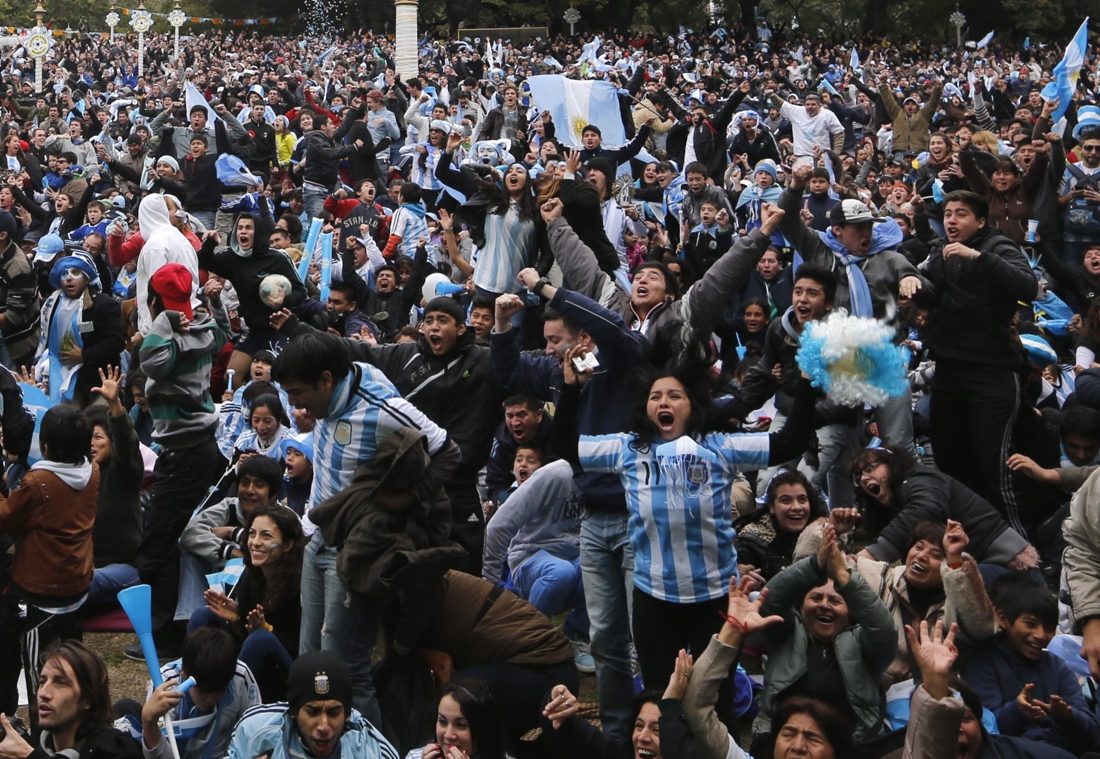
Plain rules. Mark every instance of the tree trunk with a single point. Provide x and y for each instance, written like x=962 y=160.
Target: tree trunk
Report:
x=748 y=16
x=877 y=19
x=626 y=18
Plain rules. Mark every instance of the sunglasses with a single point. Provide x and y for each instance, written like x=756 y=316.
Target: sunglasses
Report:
x=1090 y=148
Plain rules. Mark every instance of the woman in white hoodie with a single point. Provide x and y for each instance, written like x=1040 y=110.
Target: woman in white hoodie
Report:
x=164 y=244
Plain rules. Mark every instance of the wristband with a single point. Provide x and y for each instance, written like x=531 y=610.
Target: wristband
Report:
x=955 y=565
x=734 y=622
x=537 y=289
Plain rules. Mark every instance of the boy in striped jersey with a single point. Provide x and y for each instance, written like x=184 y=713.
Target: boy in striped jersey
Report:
x=355 y=408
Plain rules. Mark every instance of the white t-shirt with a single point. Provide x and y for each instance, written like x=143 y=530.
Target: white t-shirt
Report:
x=809 y=131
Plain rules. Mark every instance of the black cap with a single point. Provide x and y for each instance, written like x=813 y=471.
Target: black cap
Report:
x=7 y=224
x=134 y=140
x=592 y=128
x=318 y=676
x=603 y=165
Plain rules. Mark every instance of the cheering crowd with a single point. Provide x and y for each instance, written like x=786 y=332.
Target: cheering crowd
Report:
x=412 y=402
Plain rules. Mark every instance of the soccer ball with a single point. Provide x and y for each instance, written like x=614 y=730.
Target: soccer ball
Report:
x=273 y=290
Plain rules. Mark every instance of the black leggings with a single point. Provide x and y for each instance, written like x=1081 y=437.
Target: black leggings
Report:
x=662 y=628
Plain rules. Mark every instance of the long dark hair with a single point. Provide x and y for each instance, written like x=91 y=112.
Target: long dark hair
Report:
x=286 y=584
x=693 y=377
x=482 y=714
x=901 y=464
x=91 y=677
x=499 y=198
x=818 y=507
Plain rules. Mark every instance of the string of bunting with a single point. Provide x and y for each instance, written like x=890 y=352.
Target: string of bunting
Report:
x=190 y=20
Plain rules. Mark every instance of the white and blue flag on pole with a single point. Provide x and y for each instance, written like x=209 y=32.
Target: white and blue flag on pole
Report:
x=984 y=41
x=573 y=104
x=193 y=97
x=853 y=64
x=1067 y=71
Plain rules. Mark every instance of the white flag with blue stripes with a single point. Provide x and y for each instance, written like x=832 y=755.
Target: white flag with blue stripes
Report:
x=574 y=104
x=1067 y=71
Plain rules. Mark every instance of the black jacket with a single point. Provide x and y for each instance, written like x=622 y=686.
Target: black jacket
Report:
x=102 y=345
x=977 y=299
x=247 y=273
x=760 y=147
x=105 y=743
x=323 y=159
x=457 y=391
x=263 y=137
x=363 y=163
x=204 y=190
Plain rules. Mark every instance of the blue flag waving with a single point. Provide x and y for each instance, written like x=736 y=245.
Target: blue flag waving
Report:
x=1067 y=71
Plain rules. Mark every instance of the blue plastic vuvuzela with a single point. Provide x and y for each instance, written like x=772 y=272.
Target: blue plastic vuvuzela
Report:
x=137 y=602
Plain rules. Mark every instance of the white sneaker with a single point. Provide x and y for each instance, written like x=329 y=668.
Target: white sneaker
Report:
x=582 y=657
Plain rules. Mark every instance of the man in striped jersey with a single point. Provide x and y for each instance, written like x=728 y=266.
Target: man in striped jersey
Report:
x=355 y=408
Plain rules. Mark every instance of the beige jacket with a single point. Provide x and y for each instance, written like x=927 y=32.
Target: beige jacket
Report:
x=933 y=730
x=966 y=602
x=712 y=739
x=1082 y=558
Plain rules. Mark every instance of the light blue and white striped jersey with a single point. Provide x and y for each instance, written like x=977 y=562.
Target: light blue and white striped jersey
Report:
x=424 y=176
x=508 y=244
x=678 y=495
x=410 y=228
x=249 y=441
x=364 y=409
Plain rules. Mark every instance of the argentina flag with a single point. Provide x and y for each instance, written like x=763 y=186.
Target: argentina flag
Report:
x=1066 y=72
x=573 y=104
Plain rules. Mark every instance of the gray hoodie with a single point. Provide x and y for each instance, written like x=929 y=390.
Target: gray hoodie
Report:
x=542 y=514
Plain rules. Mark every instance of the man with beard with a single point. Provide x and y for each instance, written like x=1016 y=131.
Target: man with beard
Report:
x=73 y=709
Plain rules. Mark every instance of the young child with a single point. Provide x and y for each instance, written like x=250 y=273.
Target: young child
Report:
x=1032 y=692
x=96 y=222
x=54 y=560
x=204 y=717
x=213 y=535
x=236 y=415
x=710 y=238
x=127 y=276
x=299 y=471
x=268 y=428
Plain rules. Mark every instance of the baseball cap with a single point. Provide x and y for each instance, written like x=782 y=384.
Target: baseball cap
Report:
x=172 y=283
x=852 y=212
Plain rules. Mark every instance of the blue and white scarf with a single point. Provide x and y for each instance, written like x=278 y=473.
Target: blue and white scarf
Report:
x=885 y=236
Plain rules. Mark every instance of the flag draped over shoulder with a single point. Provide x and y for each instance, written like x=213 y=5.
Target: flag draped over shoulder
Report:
x=574 y=104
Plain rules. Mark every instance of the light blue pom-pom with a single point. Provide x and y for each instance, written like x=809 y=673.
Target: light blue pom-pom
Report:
x=853 y=359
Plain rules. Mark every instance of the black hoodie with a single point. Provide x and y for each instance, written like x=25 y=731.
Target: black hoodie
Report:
x=246 y=272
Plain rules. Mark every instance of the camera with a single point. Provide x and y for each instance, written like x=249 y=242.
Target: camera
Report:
x=19 y=728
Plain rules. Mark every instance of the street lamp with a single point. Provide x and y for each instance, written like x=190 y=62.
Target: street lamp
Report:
x=572 y=16
x=112 y=20
x=38 y=45
x=959 y=20
x=140 y=20
x=176 y=19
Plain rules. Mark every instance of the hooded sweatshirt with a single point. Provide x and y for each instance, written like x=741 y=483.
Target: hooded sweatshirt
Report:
x=164 y=244
x=246 y=269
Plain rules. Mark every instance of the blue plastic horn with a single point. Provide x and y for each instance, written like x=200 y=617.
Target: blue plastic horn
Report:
x=137 y=602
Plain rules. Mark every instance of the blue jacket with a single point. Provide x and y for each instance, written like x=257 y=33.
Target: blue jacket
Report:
x=998 y=675
x=604 y=407
x=268 y=730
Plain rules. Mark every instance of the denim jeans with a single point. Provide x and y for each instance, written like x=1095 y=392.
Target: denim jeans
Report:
x=339 y=620
x=206 y=217
x=313 y=198
x=607 y=565
x=106 y=583
x=193 y=572
x=553 y=585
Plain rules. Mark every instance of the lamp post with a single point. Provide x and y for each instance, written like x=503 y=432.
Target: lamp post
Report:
x=959 y=20
x=176 y=19
x=112 y=20
x=140 y=20
x=571 y=17
x=38 y=45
